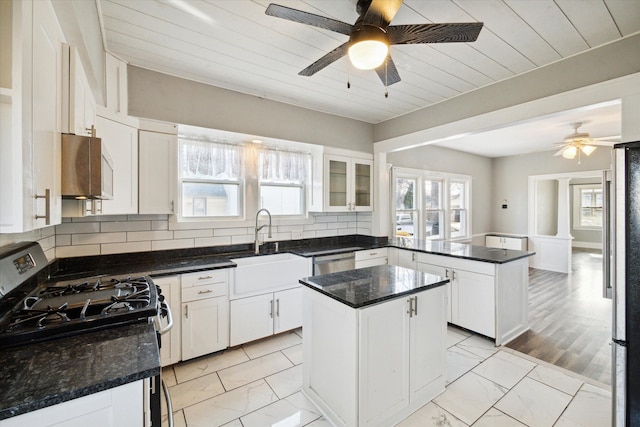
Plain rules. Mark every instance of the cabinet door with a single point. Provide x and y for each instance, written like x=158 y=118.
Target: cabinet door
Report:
x=116 y=85
x=288 y=310
x=384 y=361
x=81 y=103
x=442 y=272
x=514 y=243
x=475 y=302
x=157 y=172
x=336 y=185
x=46 y=119
x=362 y=175
x=121 y=142
x=205 y=327
x=171 y=345
x=427 y=353
x=406 y=259
x=251 y=318
x=493 y=241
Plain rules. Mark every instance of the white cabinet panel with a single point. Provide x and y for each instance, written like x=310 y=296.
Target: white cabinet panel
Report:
x=506 y=242
x=204 y=327
x=251 y=318
x=348 y=184
x=475 y=298
x=442 y=272
x=116 y=85
x=170 y=352
x=288 y=310
x=158 y=166
x=370 y=258
x=121 y=142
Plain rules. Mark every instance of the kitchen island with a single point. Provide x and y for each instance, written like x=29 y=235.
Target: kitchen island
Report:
x=374 y=343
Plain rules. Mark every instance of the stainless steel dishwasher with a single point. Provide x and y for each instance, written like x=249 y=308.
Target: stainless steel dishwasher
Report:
x=332 y=263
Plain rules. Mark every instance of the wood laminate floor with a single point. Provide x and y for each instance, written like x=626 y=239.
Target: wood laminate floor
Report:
x=570 y=321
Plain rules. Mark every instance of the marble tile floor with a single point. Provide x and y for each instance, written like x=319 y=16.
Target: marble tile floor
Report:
x=259 y=384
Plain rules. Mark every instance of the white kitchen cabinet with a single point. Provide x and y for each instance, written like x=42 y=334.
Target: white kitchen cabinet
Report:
x=157 y=172
x=442 y=272
x=122 y=406
x=405 y=258
x=116 y=85
x=170 y=351
x=205 y=313
x=348 y=184
x=506 y=242
x=391 y=359
x=79 y=105
x=121 y=142
x=371 y=257
x=30 y=111
x=263 y=315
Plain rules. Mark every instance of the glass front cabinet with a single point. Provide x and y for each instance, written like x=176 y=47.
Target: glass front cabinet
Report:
x=348 y=184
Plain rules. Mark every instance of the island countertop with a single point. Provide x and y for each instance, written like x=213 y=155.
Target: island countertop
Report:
x=366 y=286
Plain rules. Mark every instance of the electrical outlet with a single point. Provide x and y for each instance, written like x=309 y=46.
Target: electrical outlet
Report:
x=296 y=235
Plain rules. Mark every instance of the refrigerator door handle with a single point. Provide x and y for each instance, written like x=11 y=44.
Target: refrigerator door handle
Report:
x=607 y=291
x=618 y=244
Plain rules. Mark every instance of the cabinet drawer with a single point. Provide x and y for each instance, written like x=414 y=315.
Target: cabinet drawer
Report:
x=371 y=254
x=201 y=278
x=205 y=291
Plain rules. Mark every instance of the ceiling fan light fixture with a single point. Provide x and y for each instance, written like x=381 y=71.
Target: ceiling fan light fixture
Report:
x=570 y=152
x=368 y=48
x=588 y=149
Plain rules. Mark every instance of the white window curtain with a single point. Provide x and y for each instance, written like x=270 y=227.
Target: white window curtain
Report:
x=285 y=167
x=209 y=160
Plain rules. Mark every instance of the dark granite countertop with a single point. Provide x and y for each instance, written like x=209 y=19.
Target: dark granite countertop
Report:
x=43 y=374
x=460 y=250
x=371 y=285
x=515 y=236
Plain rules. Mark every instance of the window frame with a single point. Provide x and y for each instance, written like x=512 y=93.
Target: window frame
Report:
x=577 y=205
x=303 y=186
x=445 y=209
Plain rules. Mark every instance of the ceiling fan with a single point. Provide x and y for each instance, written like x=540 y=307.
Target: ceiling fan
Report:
x=371 y=35
x=579 y=143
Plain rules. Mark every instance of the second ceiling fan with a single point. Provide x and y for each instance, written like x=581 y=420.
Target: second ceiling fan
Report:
x=371 y=35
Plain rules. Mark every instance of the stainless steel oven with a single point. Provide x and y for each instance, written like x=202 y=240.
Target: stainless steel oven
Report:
x=331 y=263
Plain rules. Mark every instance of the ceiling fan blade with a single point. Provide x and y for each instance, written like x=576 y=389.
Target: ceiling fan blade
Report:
x=328 y=59
x=307 y=18
x=601 y=143
x=434 y=33
x=389 y=73
x=381 y=12
x=559 y=152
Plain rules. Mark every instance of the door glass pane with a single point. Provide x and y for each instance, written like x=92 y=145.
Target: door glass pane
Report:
x=405 y=193
x=363 y=185
x=337 y=183
x=432 y=190
x=458 y=223
x=204 y=199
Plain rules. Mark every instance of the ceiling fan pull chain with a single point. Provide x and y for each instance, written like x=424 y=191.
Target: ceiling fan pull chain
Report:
x=386 y=77
x=348 y=75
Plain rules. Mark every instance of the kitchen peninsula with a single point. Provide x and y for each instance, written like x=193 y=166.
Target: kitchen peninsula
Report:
x=374 y=343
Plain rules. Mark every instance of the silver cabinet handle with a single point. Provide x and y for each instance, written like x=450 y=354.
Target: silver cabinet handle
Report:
x=415 y=305
x=173 y=207
x=409 y=311
x=373 y=253
x=47 y=206
x=453 y=275
x=186 y=311
x=446 y=273
x=271 y=309
x=205 y=277
x=278 y=307
x=413 y=256
x=208 y=291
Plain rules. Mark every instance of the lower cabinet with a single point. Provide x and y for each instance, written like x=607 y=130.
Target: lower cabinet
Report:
x=371 y=257
x=506 y=242
x=402 y=355
x=170 y=350
x=205 y=313
x=263 y=315
x=122 y=406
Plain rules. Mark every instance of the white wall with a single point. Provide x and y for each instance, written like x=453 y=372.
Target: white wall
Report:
x=510 y=181
x=159 y=96
x=439 y=159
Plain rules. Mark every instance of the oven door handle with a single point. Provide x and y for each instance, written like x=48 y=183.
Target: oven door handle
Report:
x=167 y=398
x=169 y=325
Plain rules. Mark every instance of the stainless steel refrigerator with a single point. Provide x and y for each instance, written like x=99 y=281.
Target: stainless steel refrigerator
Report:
x=625 y=281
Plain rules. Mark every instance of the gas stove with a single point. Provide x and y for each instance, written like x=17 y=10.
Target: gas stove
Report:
x=31 y=310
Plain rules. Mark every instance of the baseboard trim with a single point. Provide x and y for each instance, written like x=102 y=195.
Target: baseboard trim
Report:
x=586 y=245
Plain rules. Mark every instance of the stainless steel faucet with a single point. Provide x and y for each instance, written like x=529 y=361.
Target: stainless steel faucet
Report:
x=257 y=243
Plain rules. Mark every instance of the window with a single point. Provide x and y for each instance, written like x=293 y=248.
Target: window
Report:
x=282 y=176
x=210 y=179
x=588 y=213
x=431 y=206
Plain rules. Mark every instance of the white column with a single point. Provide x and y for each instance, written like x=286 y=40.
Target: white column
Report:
x=380 y=219
x=564 y=227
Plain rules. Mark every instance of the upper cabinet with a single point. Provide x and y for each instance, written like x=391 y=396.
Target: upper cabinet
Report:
x=342 y=182
x=116 y=85
x=79 y=105
x=30 y=112
x=158 y=168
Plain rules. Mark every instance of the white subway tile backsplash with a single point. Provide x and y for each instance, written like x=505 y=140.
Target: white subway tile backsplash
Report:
x=241 y=239
x=346 y=231
x=63 y=240
x=189 y=234
x=232 y=231
x=148 y=217
x=107 y=227
x=97 y=238
x=326 y=218
x=80 y=250
x=100 y=218
x=326 y=233
x=138 y=236
x=308 y=234
x=312 y=227
x=161 y=245
x=78 y=227
x=212 y=241
x=118 y=248
x=290 y=228
x=159 y=225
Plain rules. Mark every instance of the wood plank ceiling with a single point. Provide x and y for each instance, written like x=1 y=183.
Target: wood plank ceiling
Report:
x=232 y=44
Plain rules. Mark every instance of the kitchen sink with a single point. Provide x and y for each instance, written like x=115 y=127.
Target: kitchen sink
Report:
x=266 y=273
